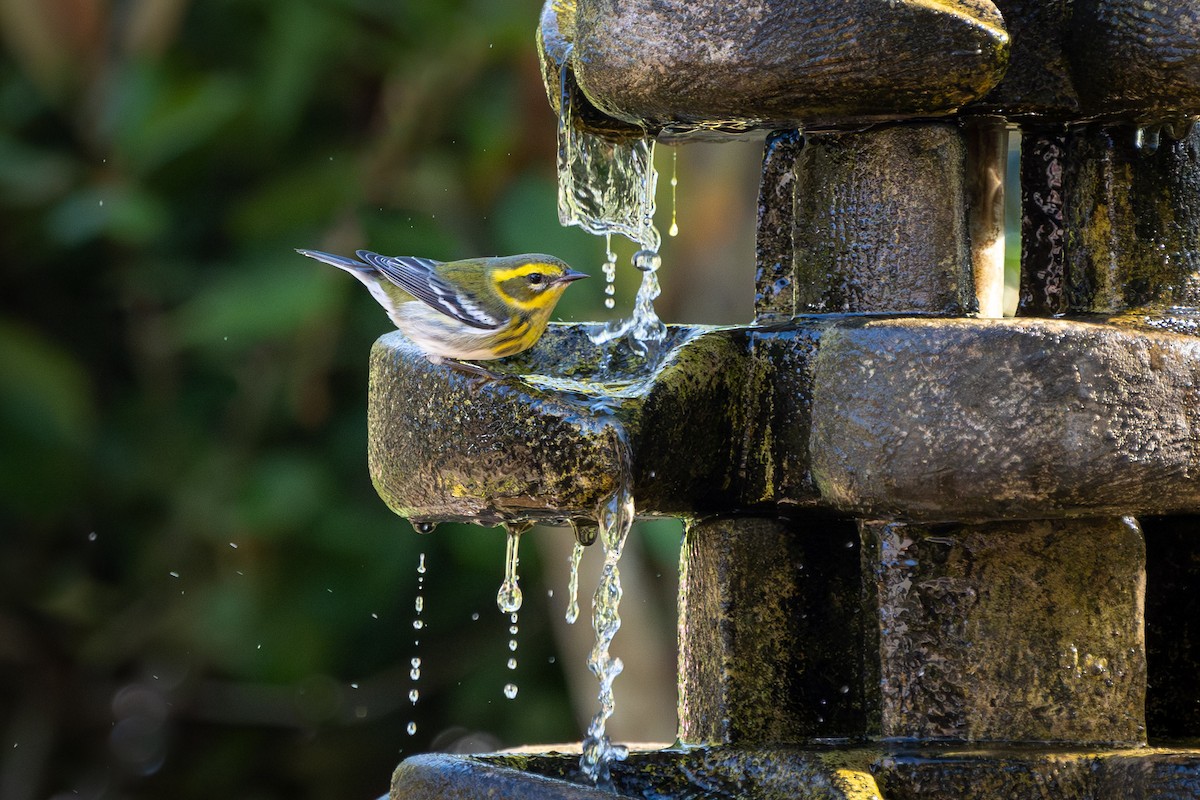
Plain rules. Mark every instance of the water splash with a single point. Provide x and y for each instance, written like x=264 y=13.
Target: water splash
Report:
x=604 y=186
x=608 y=187
x=508 y=599
x=615 y=517
x=573 y=584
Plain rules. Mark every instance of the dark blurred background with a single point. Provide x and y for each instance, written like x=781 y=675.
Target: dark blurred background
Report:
x=200 y=593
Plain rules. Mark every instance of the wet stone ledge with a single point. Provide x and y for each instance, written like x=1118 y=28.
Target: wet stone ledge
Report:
x=814 y=772
x=913 y=418
x=685 y=65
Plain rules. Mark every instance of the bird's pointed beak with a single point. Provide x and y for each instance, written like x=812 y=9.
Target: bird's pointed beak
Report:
x=570 y=275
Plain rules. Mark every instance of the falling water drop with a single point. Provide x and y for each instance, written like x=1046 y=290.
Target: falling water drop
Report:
x=1147 y=138
x=610 y=272
x=418 y=607
x=412 y=728
x=647 y=260
x=513 y=629
x=674 y=229
x=510 y=691
x=509 y=596
x=573 y=584
x=424 y=527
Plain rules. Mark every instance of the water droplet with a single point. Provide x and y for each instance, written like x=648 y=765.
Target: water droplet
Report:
x=510 y=691
x=421 y=563
x=412 y=728
x=512 y=663
x=509 y=596
x=475 y=616
x=647 y=260
x=512 y=644
x=92 y=536
x=233 y=545
x=414 y=662
x=844 y=689
x=174 y=574
x=1147 y=138
x=424 y=527
x=419 y=604
x=414 y=674
x=674 y=229
x=609 y=303
x=513 y=629
x=418 y=624
x=414 y=695
x=573 y=584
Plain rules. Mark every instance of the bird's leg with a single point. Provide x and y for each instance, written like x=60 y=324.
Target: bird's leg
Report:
x=473 y=370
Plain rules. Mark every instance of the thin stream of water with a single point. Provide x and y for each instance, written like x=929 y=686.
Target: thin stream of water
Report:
x=615 y=518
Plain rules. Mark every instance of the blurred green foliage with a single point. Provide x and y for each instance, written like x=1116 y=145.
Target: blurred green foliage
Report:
x=200 y=593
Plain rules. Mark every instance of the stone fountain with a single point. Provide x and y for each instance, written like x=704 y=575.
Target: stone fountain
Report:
x=931 y=552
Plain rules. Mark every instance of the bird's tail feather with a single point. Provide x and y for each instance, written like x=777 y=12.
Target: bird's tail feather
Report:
x=348 y=264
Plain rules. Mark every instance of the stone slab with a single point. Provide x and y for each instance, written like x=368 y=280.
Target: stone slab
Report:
x=676 y=63
x=888 y=418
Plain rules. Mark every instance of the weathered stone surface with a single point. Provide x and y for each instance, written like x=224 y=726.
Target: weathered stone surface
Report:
x=771 y=633
x=779 y=64
x=881 y=222
x=435 y=776
x=920 y=419
x=539 y=442
x=1140 y=58
x=949 y=773
x=555 y=34
x=1037 y=82
x=1133 y=220
x=1043 y=224
x=774 y=252
x=996 y=419
x=767 y=773
x=1008 y=632
x=815 y=773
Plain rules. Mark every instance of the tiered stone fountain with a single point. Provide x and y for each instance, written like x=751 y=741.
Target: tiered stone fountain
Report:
x=916 y=564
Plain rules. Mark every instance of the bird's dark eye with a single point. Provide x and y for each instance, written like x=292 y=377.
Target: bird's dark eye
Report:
x=536 y=278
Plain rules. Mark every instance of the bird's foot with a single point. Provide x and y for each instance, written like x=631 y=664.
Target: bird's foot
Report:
x=474 y=370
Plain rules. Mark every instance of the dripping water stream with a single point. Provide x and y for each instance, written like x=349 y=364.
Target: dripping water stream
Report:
x=615 y=517
x=608 y=187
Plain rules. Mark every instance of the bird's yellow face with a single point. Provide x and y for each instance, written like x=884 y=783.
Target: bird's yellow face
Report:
x=533 y=287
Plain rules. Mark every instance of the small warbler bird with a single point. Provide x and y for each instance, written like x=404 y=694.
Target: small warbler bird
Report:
x=477 y=308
